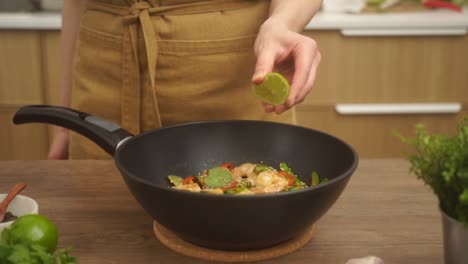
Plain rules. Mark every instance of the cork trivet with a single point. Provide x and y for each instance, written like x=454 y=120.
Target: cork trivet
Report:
x=169 y=239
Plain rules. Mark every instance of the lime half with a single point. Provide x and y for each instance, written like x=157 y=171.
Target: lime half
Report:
x=273 y=90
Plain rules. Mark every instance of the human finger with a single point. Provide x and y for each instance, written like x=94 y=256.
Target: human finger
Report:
x=265 y=63
x=303 y=55
x=310 y=81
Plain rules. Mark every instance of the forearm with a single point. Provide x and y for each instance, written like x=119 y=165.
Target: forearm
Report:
x=294 y=14
x=71 y=16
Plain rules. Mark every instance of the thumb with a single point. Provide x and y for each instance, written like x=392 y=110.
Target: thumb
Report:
x=264 y=65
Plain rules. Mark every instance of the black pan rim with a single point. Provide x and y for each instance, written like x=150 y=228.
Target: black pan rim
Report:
x=133 y=177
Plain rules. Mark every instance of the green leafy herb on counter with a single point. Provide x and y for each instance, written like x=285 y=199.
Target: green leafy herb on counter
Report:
x=33 y=254
x=31 y=239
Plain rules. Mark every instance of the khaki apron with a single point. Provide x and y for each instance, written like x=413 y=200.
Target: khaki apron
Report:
x=157 y=63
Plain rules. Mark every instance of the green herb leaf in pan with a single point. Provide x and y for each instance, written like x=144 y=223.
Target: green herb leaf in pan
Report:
x=262 y=167
x=245 y=183
x=299 y=184
x=293 y=188
x=238 y=189
x=175 y=180
x=315 y=179
x=218 y=177
x=284 y=167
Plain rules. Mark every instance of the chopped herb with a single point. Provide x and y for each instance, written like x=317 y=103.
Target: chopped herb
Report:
x=262 y=167
x=284 y=167
x=315 y=179
x=236 y=190
x=299 y=183
x=175 y=180
x=218 y=177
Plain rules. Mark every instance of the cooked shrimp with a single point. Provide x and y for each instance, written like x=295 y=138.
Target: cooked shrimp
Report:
x=213 y=190
x=269 y=181
x=245 y=192
x=191 y=187
x=244 y=171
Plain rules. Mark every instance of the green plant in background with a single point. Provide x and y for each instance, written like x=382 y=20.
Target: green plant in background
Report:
x=441 y=161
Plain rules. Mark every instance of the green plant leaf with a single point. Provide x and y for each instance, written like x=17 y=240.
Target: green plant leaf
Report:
x=464 y=197
x=284 y=167
x=218 y=177
x=441 y=161
x=175 y=180
x=315 y=179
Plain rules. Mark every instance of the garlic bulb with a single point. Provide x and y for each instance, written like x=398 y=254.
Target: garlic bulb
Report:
x=365 y=260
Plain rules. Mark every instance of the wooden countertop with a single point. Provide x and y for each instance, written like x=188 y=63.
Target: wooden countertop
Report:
x=384 y=211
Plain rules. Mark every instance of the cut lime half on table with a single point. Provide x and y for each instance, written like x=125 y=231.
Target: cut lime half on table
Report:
x=273 y=90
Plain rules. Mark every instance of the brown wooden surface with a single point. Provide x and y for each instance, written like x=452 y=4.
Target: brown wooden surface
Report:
x=20 y=68
x=374 y=135
x=52 y=72
x=21 y=83
x=384 y=211
x=21 y=142
x=392 y=69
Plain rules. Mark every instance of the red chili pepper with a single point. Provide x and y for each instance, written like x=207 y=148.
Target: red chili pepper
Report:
x=228 y=165
x=291 y=178
x=189 y=179
x=442 y=4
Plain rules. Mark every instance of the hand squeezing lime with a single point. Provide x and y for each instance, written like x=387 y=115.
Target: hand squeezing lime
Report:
x=273 y=90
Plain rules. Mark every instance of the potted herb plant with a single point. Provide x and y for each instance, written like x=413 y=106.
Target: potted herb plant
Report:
x=441 y=161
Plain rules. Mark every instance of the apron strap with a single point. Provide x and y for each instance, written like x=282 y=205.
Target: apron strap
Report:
x=131 y=90
x=141 y=9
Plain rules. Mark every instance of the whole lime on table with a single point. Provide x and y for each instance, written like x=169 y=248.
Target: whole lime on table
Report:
x=273 y=90
x=32 y=229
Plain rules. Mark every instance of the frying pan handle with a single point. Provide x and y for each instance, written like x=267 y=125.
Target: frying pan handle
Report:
x=106 y=134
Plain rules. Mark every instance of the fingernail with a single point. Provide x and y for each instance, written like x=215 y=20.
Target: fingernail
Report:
x=258 y=77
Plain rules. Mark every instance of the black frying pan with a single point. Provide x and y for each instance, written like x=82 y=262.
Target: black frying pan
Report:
x=216 y=221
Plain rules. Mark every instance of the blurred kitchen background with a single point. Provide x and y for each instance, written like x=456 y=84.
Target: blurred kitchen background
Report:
x=386 y=66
